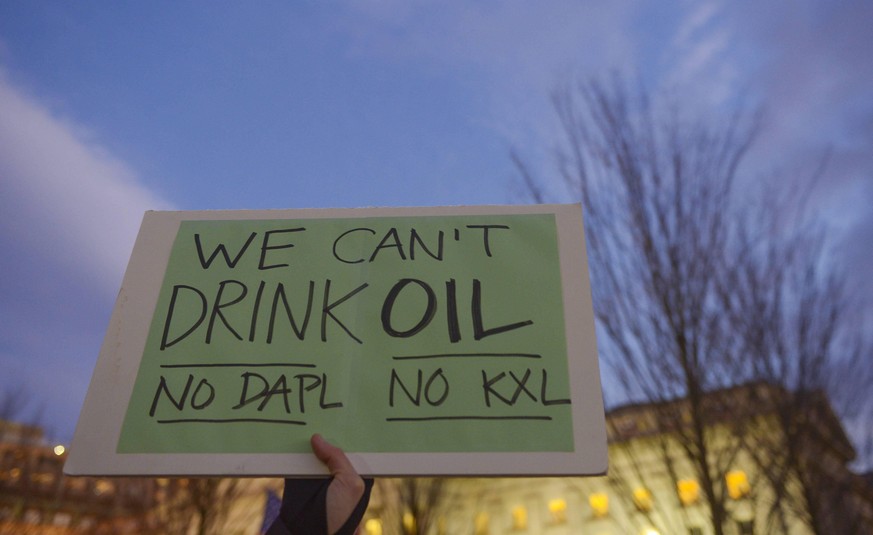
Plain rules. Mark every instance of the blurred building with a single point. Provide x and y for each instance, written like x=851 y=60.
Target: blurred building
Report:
x=652 y=489
x=36 y=497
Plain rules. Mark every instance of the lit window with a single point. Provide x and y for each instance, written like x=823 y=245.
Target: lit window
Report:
x=519 y=518
x=409 y=523
x=737 y=484
x=688 y=490
x=44 y=478
x=103 y=487
x=643 y=499
x=558 y=510
x=373 y=526
x=59 y=450
x=599 y=504
x=480 y=524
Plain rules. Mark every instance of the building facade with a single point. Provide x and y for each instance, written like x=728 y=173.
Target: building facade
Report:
x=36 y=497
x=653 y=489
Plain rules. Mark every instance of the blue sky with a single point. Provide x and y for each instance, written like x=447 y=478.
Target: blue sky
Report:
x=106 y=112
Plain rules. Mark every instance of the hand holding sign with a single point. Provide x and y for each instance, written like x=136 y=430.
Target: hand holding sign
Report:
x=346 y=489
x=334 y=506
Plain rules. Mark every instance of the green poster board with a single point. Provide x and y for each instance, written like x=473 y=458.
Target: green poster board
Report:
x=423 y=341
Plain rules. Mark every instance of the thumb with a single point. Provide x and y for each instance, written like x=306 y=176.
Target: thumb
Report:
x=333 y=457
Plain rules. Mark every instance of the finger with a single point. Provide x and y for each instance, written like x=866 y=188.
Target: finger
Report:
x=333 y=457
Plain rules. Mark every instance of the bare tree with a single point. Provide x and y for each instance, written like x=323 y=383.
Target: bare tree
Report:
x=802 y=331
x=656 y=192
x=412 y=506
x=17 y=404
x=196 y=505
x=696 y=293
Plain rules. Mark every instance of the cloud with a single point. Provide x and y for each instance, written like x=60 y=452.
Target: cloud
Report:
x=816 y=82
x=806 y=63
x=818 y=75
x=69 y=214
x=512 y=53
x=63 y=197
x=697 y=19
x=697 y=57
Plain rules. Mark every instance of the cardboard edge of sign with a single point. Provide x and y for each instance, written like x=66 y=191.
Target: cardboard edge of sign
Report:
x=93 y=449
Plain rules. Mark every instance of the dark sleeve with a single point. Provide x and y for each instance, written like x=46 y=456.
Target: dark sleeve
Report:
x=304 y=509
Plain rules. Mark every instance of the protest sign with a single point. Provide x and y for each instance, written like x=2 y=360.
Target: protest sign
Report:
x=446 y=341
